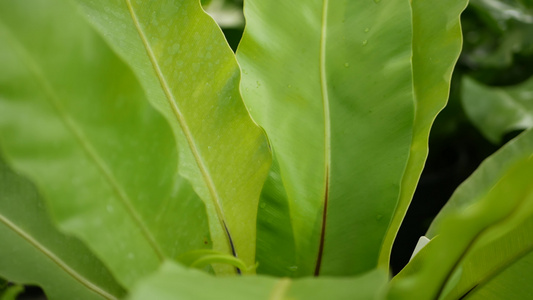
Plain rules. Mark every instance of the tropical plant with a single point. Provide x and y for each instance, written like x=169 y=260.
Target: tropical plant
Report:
x=142 y=158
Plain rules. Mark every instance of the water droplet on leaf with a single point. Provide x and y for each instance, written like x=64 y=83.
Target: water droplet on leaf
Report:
x=367 y=29
x=346 y=65
x=293 y=268
x=365 y=42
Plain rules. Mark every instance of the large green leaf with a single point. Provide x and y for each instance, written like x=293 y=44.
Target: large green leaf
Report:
x=34 y=252
x=74 y=119
x=346 y=92
x=498 y=110
x=190 y=74
x=175 y=282
x=484 y=229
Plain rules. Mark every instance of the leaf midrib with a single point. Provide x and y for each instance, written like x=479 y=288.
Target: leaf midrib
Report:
x=279 y=291
x=184 y=126
x=60 y=263
x=327 y=129
x=86 y=146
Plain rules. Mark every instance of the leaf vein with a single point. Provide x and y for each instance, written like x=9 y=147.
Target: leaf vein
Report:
x=184 y=126
x=60 y=263
x=327 y=128
x=85 y=144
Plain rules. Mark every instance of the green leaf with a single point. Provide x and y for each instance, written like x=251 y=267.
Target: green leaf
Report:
x=484 y=228
x=176 y=282
x=74 y=120
x=190 y=74
x=496 y=111
x=437 y=44
x=320 y=77
x=506 y=247
x=11 y=292
x=34 y=252
x=512 y=283
x=346 y=110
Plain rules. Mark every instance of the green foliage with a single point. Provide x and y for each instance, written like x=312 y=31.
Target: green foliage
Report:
x=142 y=158
x=476 y=236
x=36 y=252
x=498 y=110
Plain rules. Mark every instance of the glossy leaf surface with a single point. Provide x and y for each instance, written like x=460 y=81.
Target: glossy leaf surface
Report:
x=437 y=44
x=176 y=282
x=484 y=229
x=74 y=120
x=34 y=252
x=498 y=110
x=334 y=87
x=191 y=76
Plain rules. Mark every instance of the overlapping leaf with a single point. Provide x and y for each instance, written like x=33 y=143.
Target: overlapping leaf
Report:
x=74 y=119
x=514 y=282
x=34 y=252
x=346 y=110
x=175 y=282
x=483 y=231
x=437 y=43
x=191 y=76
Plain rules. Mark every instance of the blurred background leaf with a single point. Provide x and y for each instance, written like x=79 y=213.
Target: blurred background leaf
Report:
x=498 y=110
